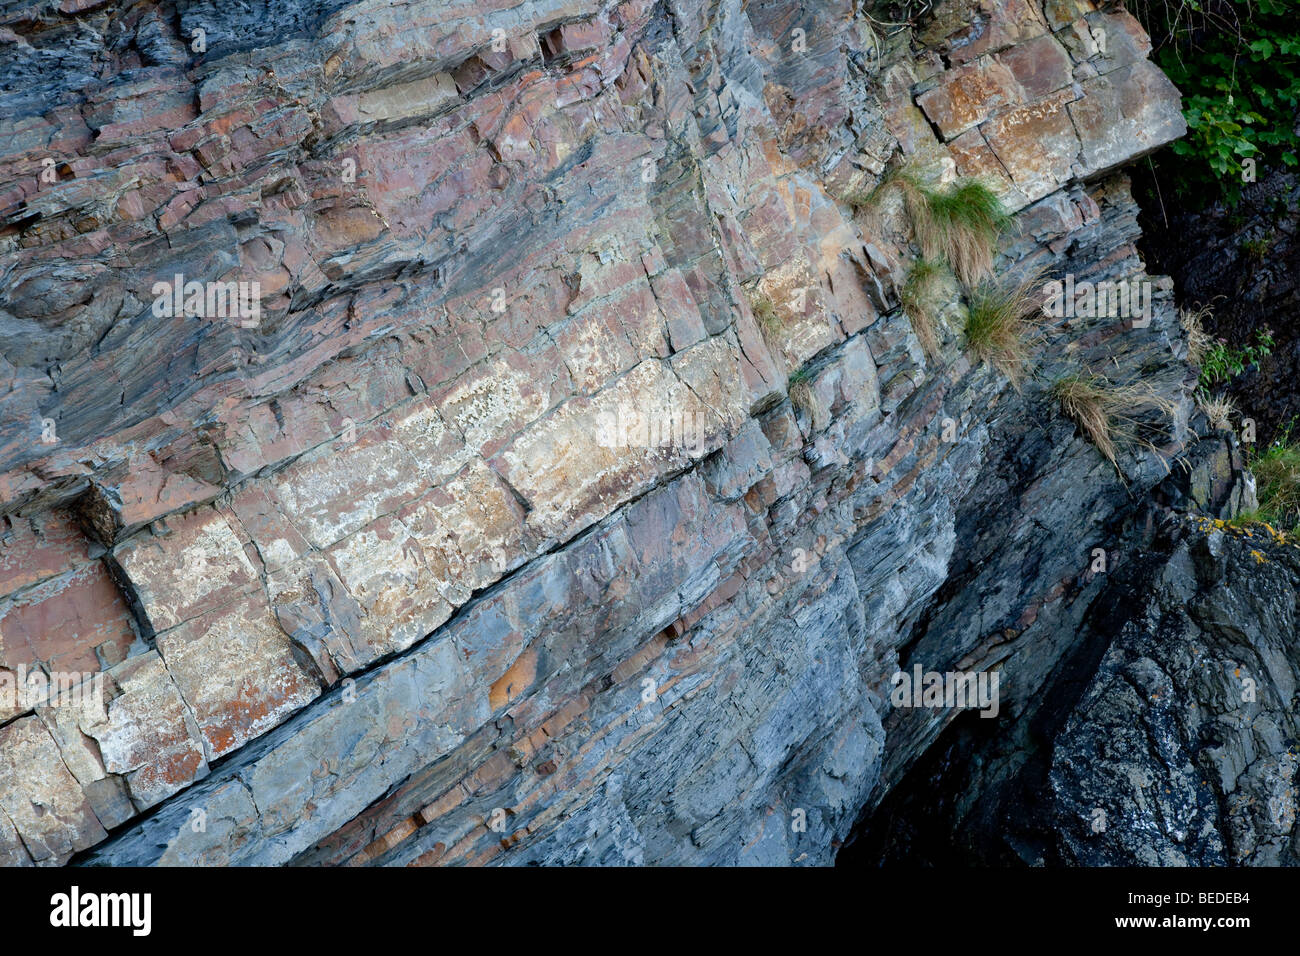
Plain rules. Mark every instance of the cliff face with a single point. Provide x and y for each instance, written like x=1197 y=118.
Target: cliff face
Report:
x=1244 y=264
x=1165 y=737
x=492 y=534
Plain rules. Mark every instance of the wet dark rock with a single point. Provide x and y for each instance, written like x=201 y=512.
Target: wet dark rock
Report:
x=1243 y=263
x=1167 y=737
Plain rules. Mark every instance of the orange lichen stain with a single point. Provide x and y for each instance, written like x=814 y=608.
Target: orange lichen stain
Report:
x=221 y=739
x=1259 y=558
x=510 y=685
x=174 y=768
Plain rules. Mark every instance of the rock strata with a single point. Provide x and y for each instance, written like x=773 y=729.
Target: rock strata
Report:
x=373 y=573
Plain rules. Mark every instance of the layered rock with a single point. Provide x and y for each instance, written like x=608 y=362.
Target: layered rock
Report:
x=376 y=575
x=1168 y=736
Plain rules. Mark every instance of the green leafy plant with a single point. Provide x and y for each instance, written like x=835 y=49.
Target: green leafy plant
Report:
x=1222 y=362
x=1277 y=483
x=1257 y=248
x=1237 y=63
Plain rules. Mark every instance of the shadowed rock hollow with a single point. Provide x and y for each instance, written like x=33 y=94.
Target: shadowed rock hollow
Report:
x=389 y=572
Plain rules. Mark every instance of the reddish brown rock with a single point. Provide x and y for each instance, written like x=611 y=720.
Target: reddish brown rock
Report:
x=236 y=671
x=76 y=622
x=974 y=158
x=1040 y=66
x=1125 y=113
x=32 y=549
x=993 y=26
x=148 y=491
x=969 y=95
x=1036 y=144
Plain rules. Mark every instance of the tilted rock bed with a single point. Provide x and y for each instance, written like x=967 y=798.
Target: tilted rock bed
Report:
x=366 y=577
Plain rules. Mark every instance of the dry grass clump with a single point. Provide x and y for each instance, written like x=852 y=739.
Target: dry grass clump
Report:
x=1107 y=412
x=918 y=297
x=806 y=400
x=1219 y=410
x=769 y=323
x=1198 y=340
x=960 y=224
x=864 y=198
x=998 y=327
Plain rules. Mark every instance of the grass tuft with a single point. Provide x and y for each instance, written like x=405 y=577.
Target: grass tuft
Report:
x=765 y=312
x=1277 y=483
x=998 y=330
x=1198 y=340
x=960 y=224
x=864 y=198
x=770 y=326
x=1107 y=412
x=918 y=299
x=1219 y=410
x=806 y=400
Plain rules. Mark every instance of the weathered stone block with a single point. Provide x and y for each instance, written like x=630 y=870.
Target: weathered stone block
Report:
x=195 y=565
x=1037 y=144
x=1125 y=114
x=235 y=669
x=146 y=736
x=969 y=95
x=41 y=799
x=1040 y=66
x=76 y=622
x=32 y=549
x=395 y=582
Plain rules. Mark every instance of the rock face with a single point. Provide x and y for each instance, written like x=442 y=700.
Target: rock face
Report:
x=1169 y=739
x=479 y=525
x=1244 y=264
x=1185 y=739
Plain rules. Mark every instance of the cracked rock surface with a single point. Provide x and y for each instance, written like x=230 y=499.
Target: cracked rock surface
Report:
x=373 y=574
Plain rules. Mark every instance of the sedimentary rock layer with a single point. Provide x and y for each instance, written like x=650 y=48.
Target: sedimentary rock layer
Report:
x=375 y=574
